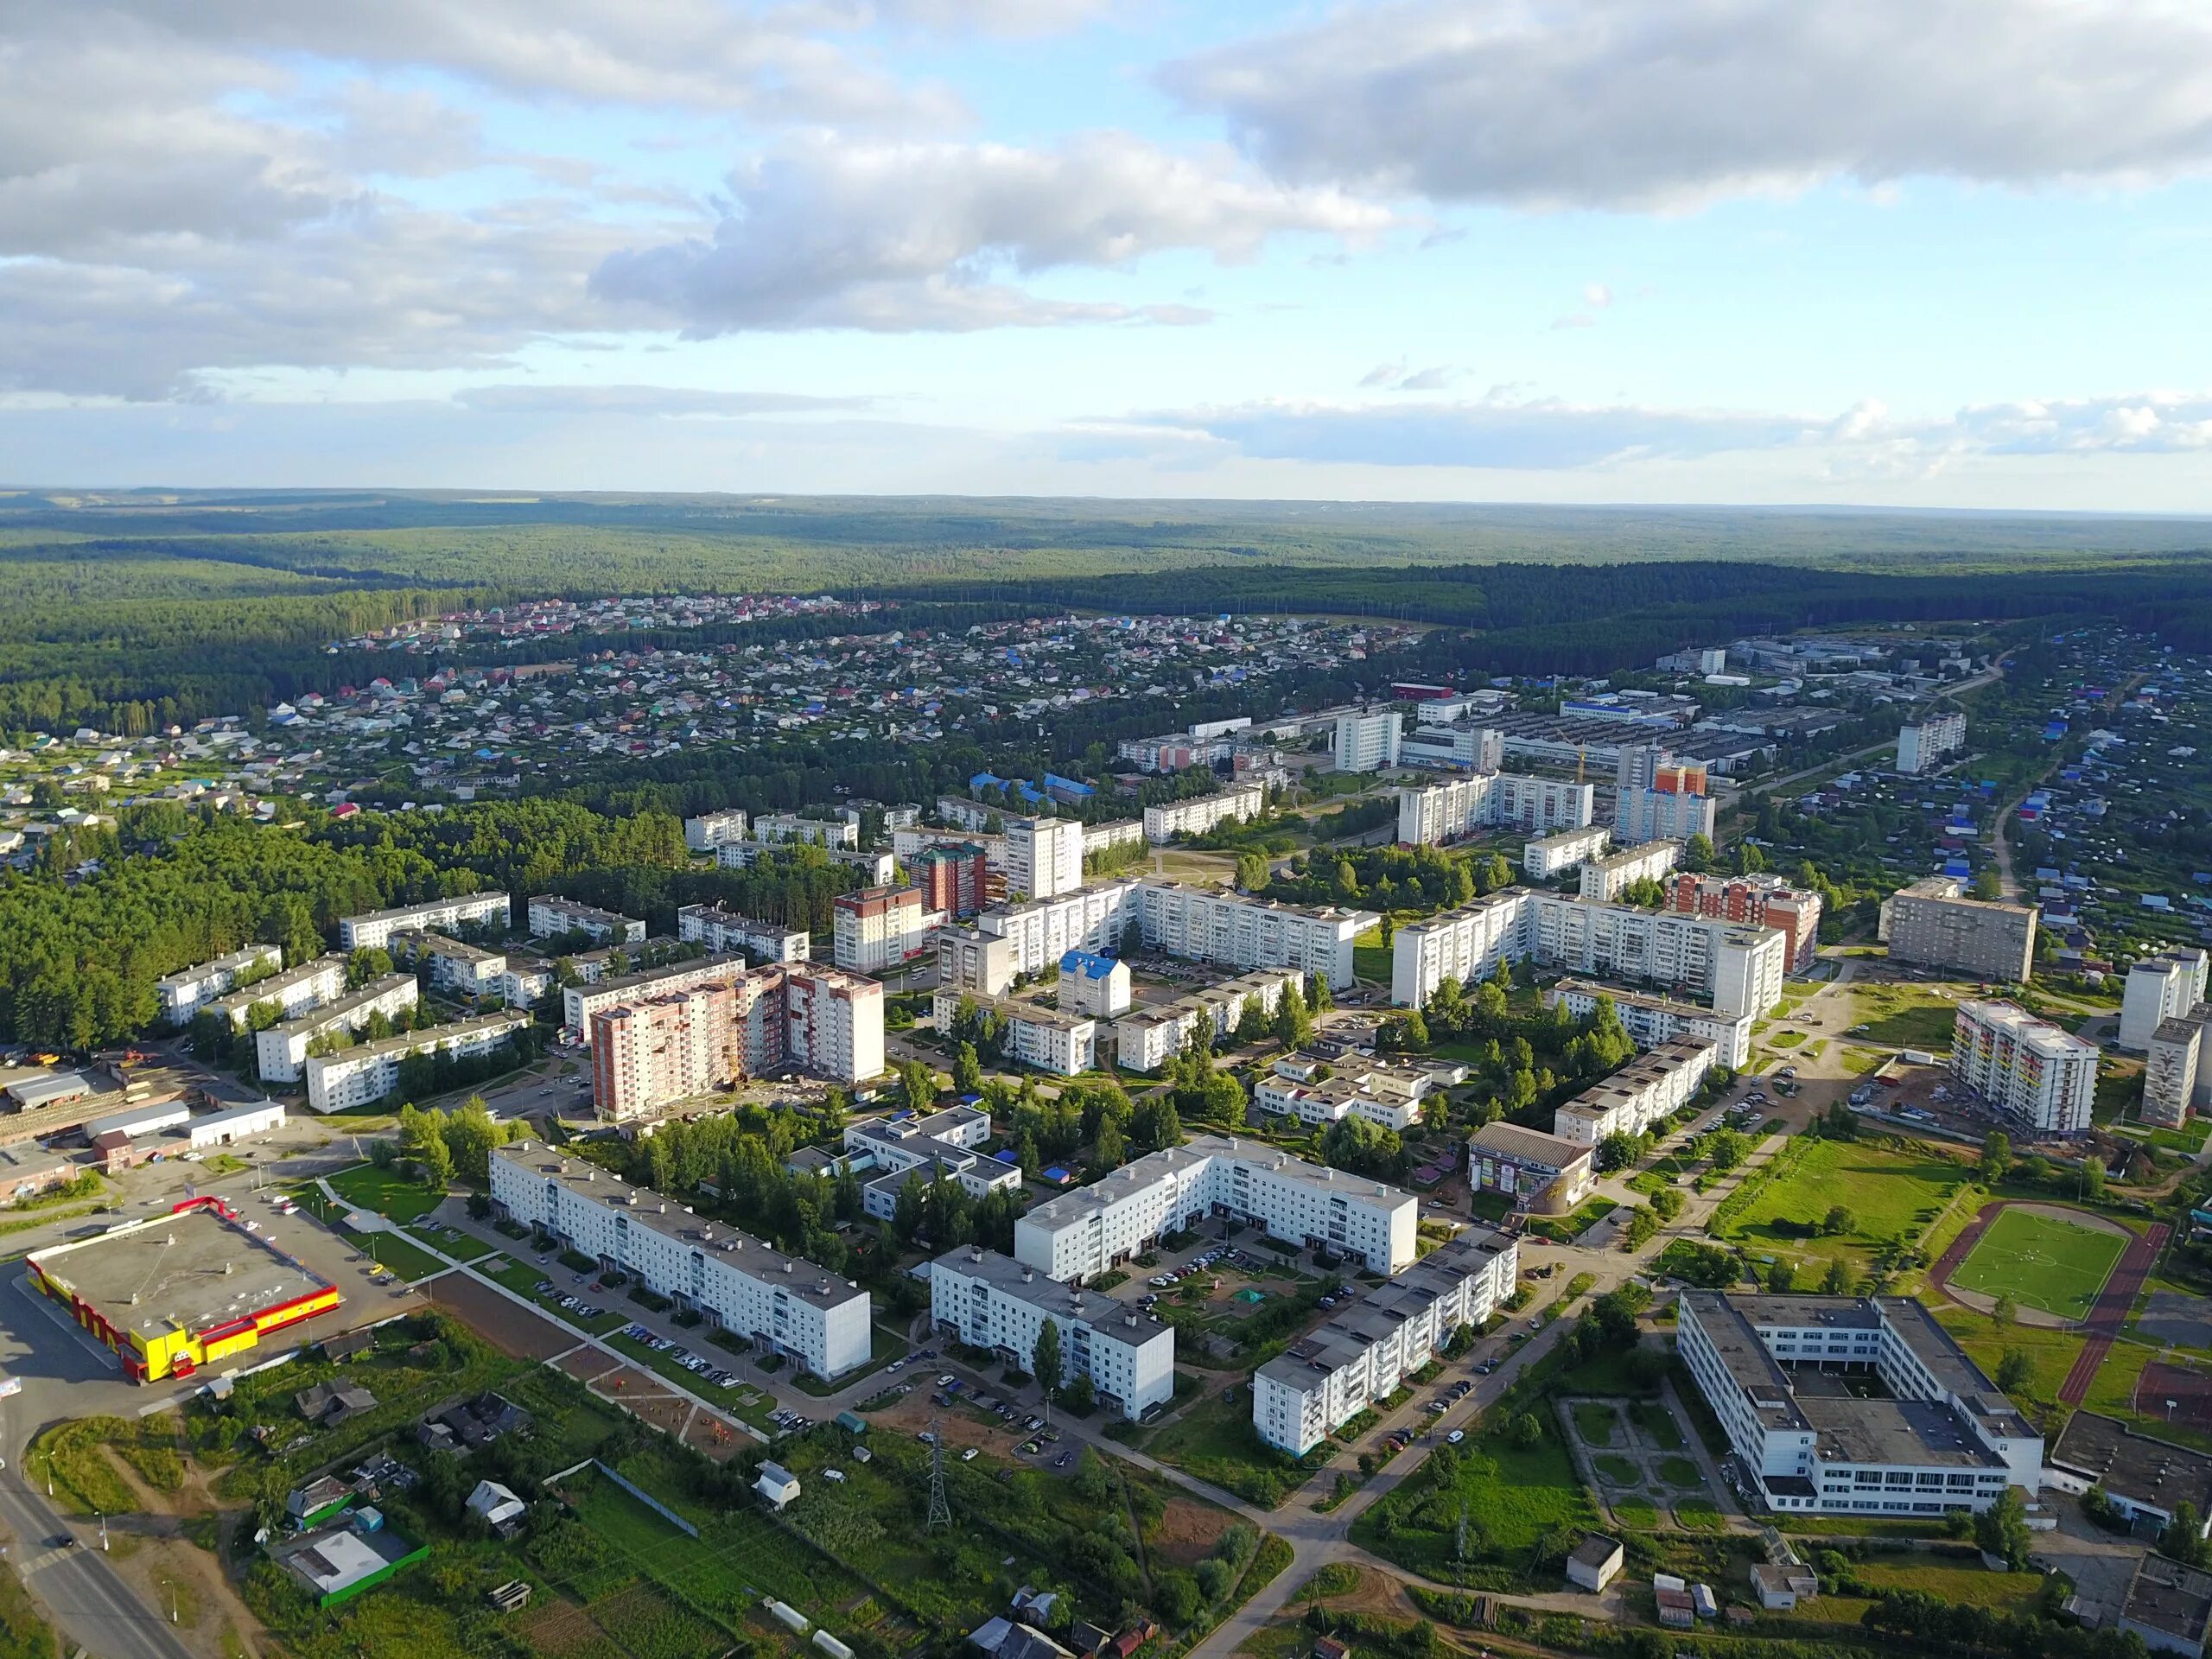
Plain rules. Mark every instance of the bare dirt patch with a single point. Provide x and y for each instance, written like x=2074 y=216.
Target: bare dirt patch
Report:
x=508 y=1326
x=1186 y=1534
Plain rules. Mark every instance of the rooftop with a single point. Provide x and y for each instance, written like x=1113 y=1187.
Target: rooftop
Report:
x=345 y=1008
x=407 y=1042
x=1351 y=1330
x=1193 y=1156
x=1529 y=1145
x=192 y=1269
x=2166 y=1596
x=1042 y=1291
x=2136 y=1466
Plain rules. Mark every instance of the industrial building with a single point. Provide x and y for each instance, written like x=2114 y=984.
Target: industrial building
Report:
x=1932 y=924
x=989 y=1300
x=1095 y=1228
x=782 y=1303
x=1854 y=1405
x=174 y=1294
x=1362 y=1353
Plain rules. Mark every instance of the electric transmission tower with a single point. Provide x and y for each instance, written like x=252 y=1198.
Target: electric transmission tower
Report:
x=940 y=1511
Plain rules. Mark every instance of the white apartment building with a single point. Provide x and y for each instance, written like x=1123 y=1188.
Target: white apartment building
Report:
x=524 y=980
x=1095 y=1228
x=2175 y=1076
x=1044 y=1038
x=1555 y=855
x=1094 y=985
x=579 y=1002
x=1647 y=1091
x=1606 y=877
x=1433 y=814
x=185 y=993
x=369 y=1071
x=1367 y=738
x=1107 y=837
x=823 y=832
x=1377 y=1090
x=1196 y=817
x=1945 y=1438
x=455 y=967
x=711 y=830
x=989 y=1300
x=832 y=1021
x=782 y=1303
x=1145 y=1038
x=1211 y=924
x=876 y=868
x=1460 y=746
x=1921 y=745
x=374 y=930
x=878 y=929
x=280 y=1053
x=725 y=931
x=1044 y=856
x=982 y=964
x=294 y=991
x=1741 y=968
x=1651 y=1020
x=1363 y=1352
x=1097 y=918
x=2029 y=1070
x=889 y=1150
x=550 y=918
x=2161 y=987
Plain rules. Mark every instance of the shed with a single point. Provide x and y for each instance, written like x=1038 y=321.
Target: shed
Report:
x=776 y=1483
x=1675 y=1609
x=499 y=1508
x=1596 y=1562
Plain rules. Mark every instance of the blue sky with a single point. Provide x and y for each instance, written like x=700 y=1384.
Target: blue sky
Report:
x=1923 y=252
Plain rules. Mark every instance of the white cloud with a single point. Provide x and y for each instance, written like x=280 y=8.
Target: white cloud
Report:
x=1625 y=104
x=675 y=402
x=897 y=237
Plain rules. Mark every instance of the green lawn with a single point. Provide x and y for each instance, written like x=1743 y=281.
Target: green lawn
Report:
x=386 y=1191
x=1679 y=1471
x=1371 y=958
x=1512 y=1496
x=1888 y=1193
x=1215 y=1440
x=2050 y=1353
x=407 y=1258
x=1904 y=1016
x=2040 y=1261
x=462 y=1247
x=1614 y=1470
x=1656 y=1421
x=1595 y=1424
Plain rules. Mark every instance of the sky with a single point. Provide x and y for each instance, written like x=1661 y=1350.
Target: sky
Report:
x=1924 y=253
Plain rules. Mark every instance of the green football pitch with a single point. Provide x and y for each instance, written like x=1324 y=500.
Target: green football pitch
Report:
x=2040 y=1261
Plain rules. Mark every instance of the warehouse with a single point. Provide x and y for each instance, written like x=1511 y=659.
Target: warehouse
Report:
x=176 y=1293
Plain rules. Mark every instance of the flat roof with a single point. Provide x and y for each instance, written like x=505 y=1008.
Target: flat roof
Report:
x=2166 y=1596
x=493 y=898
x=2138 y=1467
x=1917 y=1432
x=1202 y=1149
x=407 y=1042
x=1351 y=1330
x=331 y=1013
x=1042 y=1291
x=225 y=964
x=191 y=1269
x=264 y=990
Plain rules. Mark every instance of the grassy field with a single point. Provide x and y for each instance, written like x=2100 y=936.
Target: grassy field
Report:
x=1904 y=1016
x=462 y=1247
x=1888 y=1193
x=24 y=1634
x=1961 y=1586
x=1215 y=1440
x=1371 y=958
x=1595 y=1424
x=1513 y=1498
x=2040 y=1261
x=2050 y=1353
x=386 y=1191
x=404 y=1256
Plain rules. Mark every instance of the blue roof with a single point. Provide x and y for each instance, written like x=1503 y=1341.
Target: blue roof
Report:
x=1056 y=1173
x=1005 y=1156
x=1088 y=963
x=987 y=781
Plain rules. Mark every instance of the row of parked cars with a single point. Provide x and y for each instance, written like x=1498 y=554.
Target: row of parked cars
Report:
x=568 y=1304
x=698 y=1365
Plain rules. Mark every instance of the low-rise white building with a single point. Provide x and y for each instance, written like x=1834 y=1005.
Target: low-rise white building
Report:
x=185 y=993
x=1543 y=1174
x=369 y=1071
x=1044 y=1038
x=293 y=991
x=235 y=1123
x=1144 y=1038
x=1196 y=816
x=989 y=1300
x=551 y=918
x=1651 y=1020
x=455 y=967
x=725 y=931
x=1390 y=1095
x=1094 y=1228
x=374 y=929
x=1647 y=1091
x=2042 y=1078
x=281 y=1051
x=823 y=832
x=891 y=1151
x=1605 y=878
x=711 y=830
x=1555 y=855
x=783 y=1303
x=1363 y=1353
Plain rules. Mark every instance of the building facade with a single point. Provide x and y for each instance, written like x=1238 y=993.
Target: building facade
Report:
x=989 y=1300
x=281 y=1052
x=1656 y=797
x=294 y=992
x=369 y=1071
x=374 y=930
x=1432 y=815
x=822 y=832
x=1044 y=856
x=1606 y=877
x=725 y=931
x=649 y=1054
x=955 y=878
x=1543 y=1174
x=1196 y=816
x=1043 y=1038
x=2161 y=987
x=783 y=1303
x=2172 y=1071
x=878 y=929
x=967 y=959
x=1755 y=901
x=1093 y=985
x=1555 y=855
x=1209 y=925
x=552 y=919
x=2042 y=1078
x=1645 y=1092
x=1367 y=738
x=184 y=994
x=1144 y=1038
x=1932 y=924
x=1921 y=745
x=1651 y=1020
x=579 y=1002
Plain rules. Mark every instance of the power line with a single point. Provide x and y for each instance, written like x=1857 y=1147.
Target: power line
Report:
x=940 y=1511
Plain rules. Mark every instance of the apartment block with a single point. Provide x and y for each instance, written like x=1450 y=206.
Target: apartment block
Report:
x=1197 y=816
x=1921 y=745
x=875 y=870
x=1096 y=1228
x=1653 y=1021
x=1367 y=738
x=1645 y=1092
x=649 y=1054
x=1113 y=837
x=281 y=1051
x=1432 y=815
x=369 y=1071
x=712 y=829
x=1740 y=968
x=2174 y=1074
x=1935 y=1435
x=891 y=1151
x=1364 y=1352
x=294 y=991
x=1209 y=925
x=1755 y=901
x=2042 y=1078
x=552 y=919
x=967 y=959
x=1144 y=1038
x=185 y=993
x=1101 y=917
x=832 y=1023
x=1555 y=855
x=1605 y=878
x=1044 y=1038
x=1044 y=856
x=454 y=967
x=954 y=878
x=1542 y=1174
x=989 y=1300
x=878 y=929
x=374 y=930
x=783 y=1304
x=822 y=832
x=1094 y=985
x=1933 y=924
x=1390 y=1095
x=579 y=1002
x=2161 y=987
x=725 y=931
x=1657 y=797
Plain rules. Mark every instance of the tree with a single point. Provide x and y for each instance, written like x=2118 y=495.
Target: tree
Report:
x=1526 y=1431
x=1839 y=1220
x=918 y=1081
x=1838 y=1283
x=2092 y=1178
x=1044 y=1361
x=1698 y=853
x=1996 y=1157
x=1667 y=1202
x=366 y=963
x=967 y=1071
x=1081 y=1395
x=1987 y=885
x=2183 y=1538
x=1252 y=871
x=1412 y=1030
x=2006 y=1312
x=1782 y=1277
x=2001 y=1530
x=2015 y=1370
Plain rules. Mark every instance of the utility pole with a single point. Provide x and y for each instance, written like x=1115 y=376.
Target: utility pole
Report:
x=940 y=1513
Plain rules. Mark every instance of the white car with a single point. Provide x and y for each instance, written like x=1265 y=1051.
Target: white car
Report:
x=1455 y=1436
x=837 y=1475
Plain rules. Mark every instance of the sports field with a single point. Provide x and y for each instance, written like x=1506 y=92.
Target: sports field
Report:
x=2040 y=1261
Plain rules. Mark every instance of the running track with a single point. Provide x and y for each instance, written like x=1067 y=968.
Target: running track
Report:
x=2111 y=1314
x=1947 y=1263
